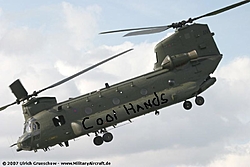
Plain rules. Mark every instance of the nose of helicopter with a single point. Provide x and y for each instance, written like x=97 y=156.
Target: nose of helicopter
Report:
x=19 y=147
x=24 y=143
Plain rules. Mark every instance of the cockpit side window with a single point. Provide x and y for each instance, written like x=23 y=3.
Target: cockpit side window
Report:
x=35 y=126
x=59 y=120
x=38 y=125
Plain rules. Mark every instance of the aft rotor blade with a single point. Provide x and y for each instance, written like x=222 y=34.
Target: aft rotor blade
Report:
x=148 y=31
x=135 y=29
x=81 y=72
x=222 y=10
x=4 y=107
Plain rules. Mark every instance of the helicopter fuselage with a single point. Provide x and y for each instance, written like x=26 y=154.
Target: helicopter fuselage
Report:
x=185 y=61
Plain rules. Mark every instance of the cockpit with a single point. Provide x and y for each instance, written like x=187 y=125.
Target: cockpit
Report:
x=31 y=134
x=30 y=126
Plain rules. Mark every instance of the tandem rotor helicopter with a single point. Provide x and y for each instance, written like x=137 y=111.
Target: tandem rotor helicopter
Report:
x=184 y=62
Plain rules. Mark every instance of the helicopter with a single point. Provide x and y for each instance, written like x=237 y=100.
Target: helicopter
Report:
x=184 y=64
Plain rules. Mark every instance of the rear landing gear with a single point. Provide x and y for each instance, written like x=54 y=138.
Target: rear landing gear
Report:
x=107 y=137
x=199 y=100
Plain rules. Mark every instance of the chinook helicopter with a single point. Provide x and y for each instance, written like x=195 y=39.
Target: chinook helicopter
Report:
x=184 y=62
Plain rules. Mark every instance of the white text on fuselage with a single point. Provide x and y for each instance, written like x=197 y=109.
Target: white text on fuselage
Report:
x=130 y=109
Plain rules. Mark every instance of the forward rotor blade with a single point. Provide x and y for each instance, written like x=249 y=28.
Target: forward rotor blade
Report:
x=4 y=107
x=79 y=73
x=13 y=144
x=135 y=29
x=222 y=10
x=148 y=31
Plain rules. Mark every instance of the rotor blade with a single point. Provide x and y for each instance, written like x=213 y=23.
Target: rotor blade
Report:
x=134 y=29
x=222 y=10
x=4 y=107
x=148 y=31
x=79 y=73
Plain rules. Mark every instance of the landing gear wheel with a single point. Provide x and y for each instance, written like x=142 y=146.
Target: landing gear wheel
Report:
x=107 y=137
x=98 y=140
x=199 y=100
x=187 y=105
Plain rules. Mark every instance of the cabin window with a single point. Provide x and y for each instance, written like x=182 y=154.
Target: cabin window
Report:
x=38 y=125
x=88 y=110
x=144 y=92
x=116 y=101
x=58 y=120
x=35 y=126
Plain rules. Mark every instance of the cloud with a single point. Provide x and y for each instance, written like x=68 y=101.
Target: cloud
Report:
x=233 y=81
x=22 y=41
x=236 y=74
x=81 y=24
x=134 y=62
x=231 y=160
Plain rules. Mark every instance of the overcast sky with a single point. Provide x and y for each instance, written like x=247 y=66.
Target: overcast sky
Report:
x=42 y=42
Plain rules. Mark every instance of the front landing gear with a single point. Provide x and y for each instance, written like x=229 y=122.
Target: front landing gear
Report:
x=187 y=105
x=98 y=140
x=107 y=137
x=199 y=100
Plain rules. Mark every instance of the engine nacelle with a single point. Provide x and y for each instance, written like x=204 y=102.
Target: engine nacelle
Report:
x=171 y=62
